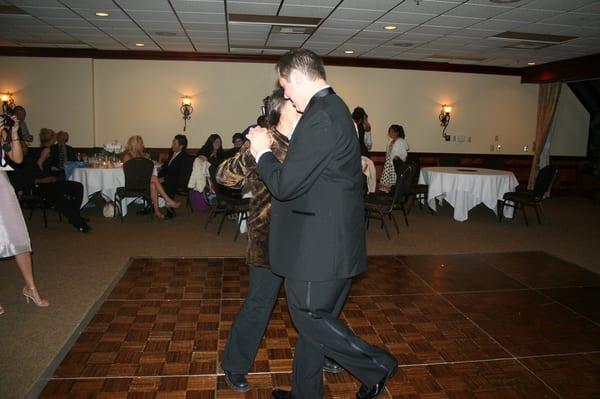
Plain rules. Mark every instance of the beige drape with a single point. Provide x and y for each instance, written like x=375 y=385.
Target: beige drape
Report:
x=547 y=101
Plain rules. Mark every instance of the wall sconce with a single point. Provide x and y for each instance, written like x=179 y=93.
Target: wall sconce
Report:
x=186 y=110
x=444 y=118
x=7 y=101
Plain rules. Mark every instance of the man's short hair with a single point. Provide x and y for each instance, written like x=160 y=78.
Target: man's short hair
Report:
x=303 y=60
x=182 y=140
x=237 y=136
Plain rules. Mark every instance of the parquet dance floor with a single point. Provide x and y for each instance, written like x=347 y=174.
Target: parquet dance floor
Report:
x=514 y=325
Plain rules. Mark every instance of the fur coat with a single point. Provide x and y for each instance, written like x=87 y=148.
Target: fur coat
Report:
x=240 y=172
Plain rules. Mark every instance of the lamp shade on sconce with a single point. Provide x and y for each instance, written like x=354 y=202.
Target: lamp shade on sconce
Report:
x=186 y=101
x=447 y=109
x=5 y=97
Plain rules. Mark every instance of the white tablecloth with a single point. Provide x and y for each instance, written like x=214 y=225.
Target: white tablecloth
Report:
x=105 y=181
x=465 y=188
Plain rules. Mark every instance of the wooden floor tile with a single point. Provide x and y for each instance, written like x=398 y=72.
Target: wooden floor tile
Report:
x=528 y=323
x=540 y=270
x=163 y=329
x=458 y=273
x=497 y=379
x=576 y=376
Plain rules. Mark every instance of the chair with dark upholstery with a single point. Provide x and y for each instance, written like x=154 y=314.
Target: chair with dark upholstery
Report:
x=418 y=192
x=532 y=198
x=30 y=199
x=381 y=207
x=184 y=179
x=138 y=173
x=227 y=202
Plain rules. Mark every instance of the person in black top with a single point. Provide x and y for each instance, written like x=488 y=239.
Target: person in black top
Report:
x=212 y=150
x=361 y=119
x=238 y=141
x=65 y=195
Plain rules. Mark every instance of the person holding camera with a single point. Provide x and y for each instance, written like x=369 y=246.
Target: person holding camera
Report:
x=14 y=238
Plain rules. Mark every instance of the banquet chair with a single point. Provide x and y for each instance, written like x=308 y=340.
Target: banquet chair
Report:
x=138 y=173
x=184 y=178
x=31 y=200
x=418 y=192
x=532 y=198
x=381 y=207
x=227 y=202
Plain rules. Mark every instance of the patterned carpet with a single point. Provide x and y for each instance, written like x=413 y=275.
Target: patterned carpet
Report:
x=513 y=325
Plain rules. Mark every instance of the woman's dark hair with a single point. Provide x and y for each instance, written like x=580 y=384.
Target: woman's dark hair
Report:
x=358 y=114
x=398 y=129
x=207 y=148
x=272 y=105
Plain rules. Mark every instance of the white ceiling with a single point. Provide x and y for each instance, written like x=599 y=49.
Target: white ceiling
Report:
x=427 y=30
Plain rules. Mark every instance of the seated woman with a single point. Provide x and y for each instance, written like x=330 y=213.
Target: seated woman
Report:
x=44 y=161
x=212 y=150
x=135 y=149
x=397 y=148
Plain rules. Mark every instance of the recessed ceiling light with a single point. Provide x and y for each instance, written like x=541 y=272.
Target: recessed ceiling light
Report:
x=531 y=63
x=390 y=27
x=139 y=45
x=102 y=14
x=349 y=51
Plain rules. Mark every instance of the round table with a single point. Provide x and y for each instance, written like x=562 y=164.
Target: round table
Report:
x=464 y=188
x=104 y=181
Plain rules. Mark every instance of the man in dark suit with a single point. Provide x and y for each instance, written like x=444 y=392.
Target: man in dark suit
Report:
x=61 y=152
x=317 y=237
x=176 y=172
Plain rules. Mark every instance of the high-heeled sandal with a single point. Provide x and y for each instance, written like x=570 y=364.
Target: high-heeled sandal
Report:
x=29 y=293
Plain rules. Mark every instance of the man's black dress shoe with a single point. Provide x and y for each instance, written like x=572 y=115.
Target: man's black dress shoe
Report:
x=366 y=392
x=237 y=382
x=331 y=366
x=82 y=227
x=281 y=394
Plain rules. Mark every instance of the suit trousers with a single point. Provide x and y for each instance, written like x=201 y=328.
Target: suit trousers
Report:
x=250 y=323
x=313 y=306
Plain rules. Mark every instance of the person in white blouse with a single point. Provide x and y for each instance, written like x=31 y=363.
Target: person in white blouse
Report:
x=397 y=148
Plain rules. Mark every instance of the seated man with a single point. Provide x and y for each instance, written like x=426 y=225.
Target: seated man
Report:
x=238 y=141
x=175 y=171
x=65 y=195
x=61 y=152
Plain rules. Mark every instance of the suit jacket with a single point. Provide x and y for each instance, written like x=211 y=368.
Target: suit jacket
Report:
x=317 y=217
x=176 y=173
x=54 y=155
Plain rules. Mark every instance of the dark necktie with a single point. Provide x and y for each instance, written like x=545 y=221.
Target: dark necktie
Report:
x=62 y=150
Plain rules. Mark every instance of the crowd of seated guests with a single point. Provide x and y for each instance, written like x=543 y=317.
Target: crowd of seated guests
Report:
x=36 y=174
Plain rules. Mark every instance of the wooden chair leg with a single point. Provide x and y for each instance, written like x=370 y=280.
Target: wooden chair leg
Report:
x=384 y=224
x=537 y=213
x=405 y=215
x=225 y=213
x=395 y=223
x=524 y=215
x=500 y=210
x=45 y=216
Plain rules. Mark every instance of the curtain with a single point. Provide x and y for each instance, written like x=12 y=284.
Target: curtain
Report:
x=547 y=101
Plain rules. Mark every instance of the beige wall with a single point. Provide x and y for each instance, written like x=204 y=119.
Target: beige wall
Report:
x=98 y=101
x=57 y=93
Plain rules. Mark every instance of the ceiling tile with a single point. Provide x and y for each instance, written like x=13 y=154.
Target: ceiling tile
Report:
x=406 y=17
x=573 y=19
x=160 y=26
x=197 y=17
x=304 y=11
x=593 y=8
x=476 y=11
x=204 y=27
x=199 y=6
x=378 y=27
x=379 y=5
x=425 y=7
x=70 y=22
x=160 y=16
x=455 y=22
x=525 y=15
x=434 y=30
x=50 y=12
x=322 y=3
x=144 y=5
x=235 y=7
x=557 y=5
x=94 y=4
x=496 y=25
x=356 y=14
x=344 y=24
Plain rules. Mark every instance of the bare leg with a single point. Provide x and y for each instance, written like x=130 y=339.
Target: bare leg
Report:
x=154 y=196
x=30 y=290
x=159 y=188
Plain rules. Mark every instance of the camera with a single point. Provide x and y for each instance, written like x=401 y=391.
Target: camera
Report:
x=8 y=111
